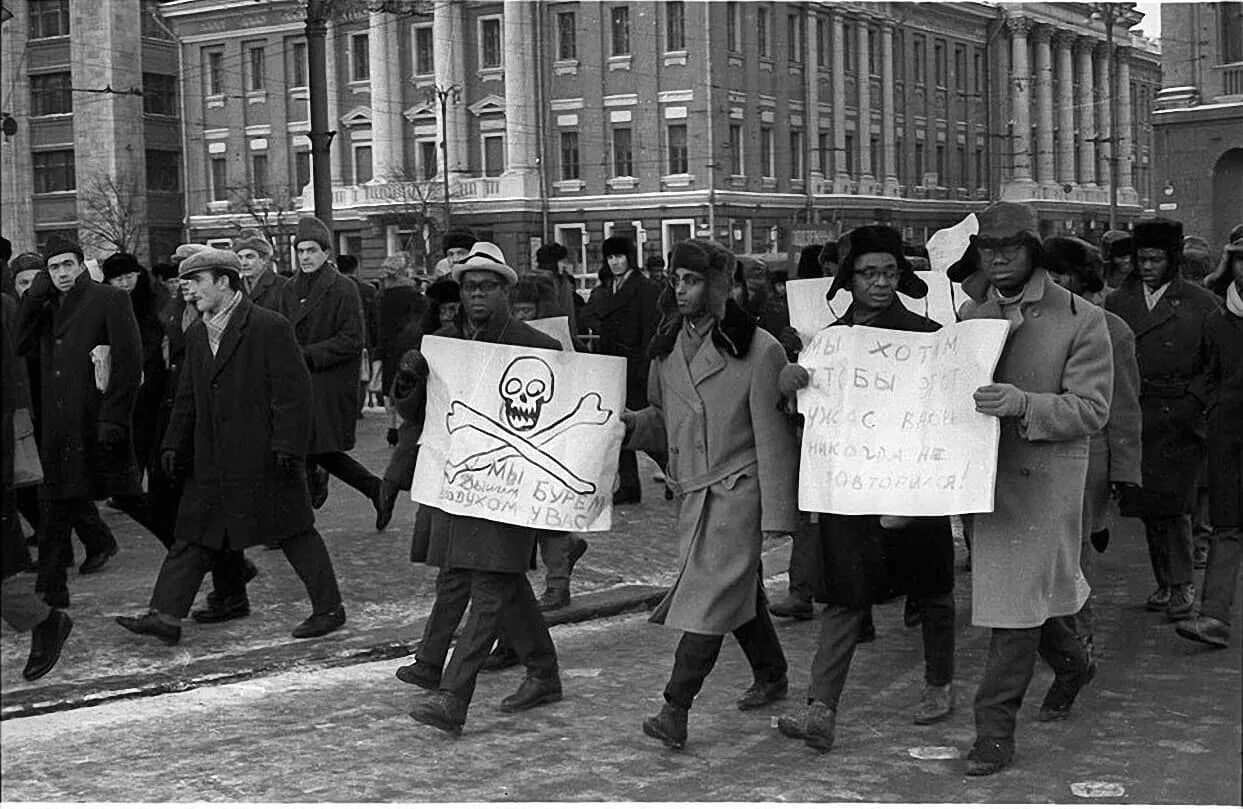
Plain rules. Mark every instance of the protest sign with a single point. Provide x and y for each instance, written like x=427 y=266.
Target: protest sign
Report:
x=889 y=421
x=809 y=312
x=558 y=328
x=948 y=244
x=524 y=436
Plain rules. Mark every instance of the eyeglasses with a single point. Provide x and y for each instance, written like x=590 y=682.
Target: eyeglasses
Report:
x=874 y=277
x=1007 y=250
x=486 y=287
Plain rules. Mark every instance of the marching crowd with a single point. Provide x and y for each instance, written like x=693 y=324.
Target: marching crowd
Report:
x=212 y=400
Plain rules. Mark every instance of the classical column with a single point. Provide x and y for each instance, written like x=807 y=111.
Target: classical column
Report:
x=1044 y=106
x=448 y=31
x=383 y=135
x=1086 y=106
x=1125 y=123
x=521 y=155
x=887 y=118
x=1020 y=98
x=839 y=102
x=863 y=121
x=811 y=95
x=1065 y=108
x=1104 y=127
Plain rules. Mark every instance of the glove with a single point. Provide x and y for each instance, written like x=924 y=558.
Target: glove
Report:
x=415 y=363
x=168 y=463
x=792 y=378
x=791 y=342
x=285 y=462
x=392 y=436
x=110 y=433
x=1000 y=399
x=1100 y=540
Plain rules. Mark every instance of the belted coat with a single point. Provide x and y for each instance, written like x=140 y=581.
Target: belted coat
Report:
x=327 y=318
x=1025 y=554
x=233 y=411
x=1115 y=454
x=1224 y=388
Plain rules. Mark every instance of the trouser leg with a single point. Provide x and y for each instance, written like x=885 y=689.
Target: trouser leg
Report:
x=760 y=643
x=452 y=597
x=308 y=555
x=1007 y=674
x=348 y=470
x=839 y=635
x=163 y=499
x=527 y=631
x=1061 y=648
x=628 y=473
x=1221 y=576
x=19 y=606
x=28 y=506
x=802 y=557
x=490 y=593
x=57 y=518
x=554 y=549
x=1083 y=618
x=1178 y=535
x=95 y=534
x=1158 y=550
x=179 y=578
x=11 y=531
x=936 y=621
x=228 y=578
x=694 y=659
x=400 y=469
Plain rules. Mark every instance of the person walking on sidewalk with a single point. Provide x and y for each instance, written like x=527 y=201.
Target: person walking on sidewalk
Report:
x=715 y=408
x=1223 y=333
x=240 y=425
x=481 y=562
x=73 y=324
x=1168 y=315
x=1054 y=383
x=259 y=281
x=867 y=560
x=327 y=317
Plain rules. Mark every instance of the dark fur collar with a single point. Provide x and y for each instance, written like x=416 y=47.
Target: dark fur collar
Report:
x=732 y=334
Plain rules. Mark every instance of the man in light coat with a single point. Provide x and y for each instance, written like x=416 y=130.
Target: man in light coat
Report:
x=715 y=409
x=1027 y=585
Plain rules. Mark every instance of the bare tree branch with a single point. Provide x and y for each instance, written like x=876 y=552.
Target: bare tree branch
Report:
x=275 y=216
x=112 y=213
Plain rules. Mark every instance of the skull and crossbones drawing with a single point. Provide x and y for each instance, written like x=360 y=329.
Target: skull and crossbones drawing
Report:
x=526 y=387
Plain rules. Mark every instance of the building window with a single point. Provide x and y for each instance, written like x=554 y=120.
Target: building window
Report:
x=824 y=147
x=919 y=67
x=899 y=58
x=938 y=52
x=621 y=31
x=678 y=163
x=961 y=165
x=362 y=164
x=490 y=55
x=796 y=154
x=569 y=156
x=298 y=68
x=899 y=170
x=762 y=32
x=979 y=166
x=424 y=51
x=675 y=25
x=215 y=73
x=977 y=72
x=301 y=170
x=360 y=58
x=822 y=42
x=50 y=94
x=940 y=167
x=429 y=159
x=259 y=175
x=623 y=163
x=733 y=24
x=767 y=157
x=254 y=68
x=848 y=47
x=735 y=149
x=850 y=155
x=874 y=157
x=493 y=155
x=919 y=164
x=159 y=94
x=873 y=54
x=163 y=171
x=567 y=36
x=219 y=179
x=53 y=171
x=1230 y=18
x=796 y=33
x=960 y=68
x=49 y=18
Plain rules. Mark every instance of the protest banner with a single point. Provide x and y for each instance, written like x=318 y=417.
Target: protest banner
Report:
x=889 y=421
x=948 y=244
x=558 y=328
x=524 y=436
x=810 y=312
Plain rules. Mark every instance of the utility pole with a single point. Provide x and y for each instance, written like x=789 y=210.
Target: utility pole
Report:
x=317 y=13
x=444 y=95
x=1109 y=13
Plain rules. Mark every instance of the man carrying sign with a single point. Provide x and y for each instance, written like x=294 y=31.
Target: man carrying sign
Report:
x=869 y=559
x=481 y=562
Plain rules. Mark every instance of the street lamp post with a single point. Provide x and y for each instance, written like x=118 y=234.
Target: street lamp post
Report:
x=317 y=13
x=444 y=95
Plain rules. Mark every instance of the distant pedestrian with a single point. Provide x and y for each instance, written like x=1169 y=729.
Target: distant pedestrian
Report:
x=398 y=305
x=1117 y=255
x=369 y=295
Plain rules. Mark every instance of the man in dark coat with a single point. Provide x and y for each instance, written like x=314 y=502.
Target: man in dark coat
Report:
x=259 y=281
x=241 y=426
x=1167 y=314
x=348 y=266
x=481 y=562
x=327 y=318
x=869 y=559
x=627 y=311
x=1223 y=333
x=74 y=324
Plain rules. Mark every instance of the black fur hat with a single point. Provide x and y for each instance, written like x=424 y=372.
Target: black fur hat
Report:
x=1158 y=232
x=876 y=239
x=1067 y=255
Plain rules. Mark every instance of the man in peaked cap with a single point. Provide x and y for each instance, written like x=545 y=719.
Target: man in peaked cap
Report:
x=1167 y=314
x=260 y=282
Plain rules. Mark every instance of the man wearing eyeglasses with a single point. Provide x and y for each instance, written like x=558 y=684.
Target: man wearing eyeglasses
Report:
x=1052 y=390
x=481 y=562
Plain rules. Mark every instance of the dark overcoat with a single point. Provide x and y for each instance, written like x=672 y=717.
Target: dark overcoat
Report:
x=327 y=318
x=862 y=563
x=233 y=411
x=1169 y=347
x=628 y=319
x=452 y=541
x=1224 y=386
x=61 y=330
x=14 y=555
x=267 y=290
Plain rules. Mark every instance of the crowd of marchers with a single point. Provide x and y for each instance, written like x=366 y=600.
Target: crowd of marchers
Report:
x=212 y=399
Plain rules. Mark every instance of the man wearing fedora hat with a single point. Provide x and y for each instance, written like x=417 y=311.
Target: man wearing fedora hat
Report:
x=481 y=562
x=865 y=560
x=238 y=434
x=1054 y=383
x=1167 y=314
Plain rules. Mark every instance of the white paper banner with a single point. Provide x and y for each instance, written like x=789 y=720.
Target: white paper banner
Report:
x=948 y=244
x=889 y=421
x=558 y=328
x=524 y=436
x=809 y=312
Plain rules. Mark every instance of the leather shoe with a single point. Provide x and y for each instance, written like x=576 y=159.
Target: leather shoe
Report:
x=626 y=497
x=578 y=546
x=385 y=499
x=46 y=642
x=317 y=482
x=554 y=599
x=1182 y=602
x=150 y=624
x=220 y=610
x=989 y=756
x=424 y=675
x=761 y=694
x=816 y=726
x=1205 y=629
x=96 y=561
x=502 y=657
x=936 y=703
x=793 y=607
x=320 y=623
x=1159 y=600
x=532 y=692
x=669 y=726
x=441 y=710
x=1061 y=695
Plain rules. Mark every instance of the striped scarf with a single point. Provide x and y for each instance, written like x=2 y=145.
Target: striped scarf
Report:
x=216 y=323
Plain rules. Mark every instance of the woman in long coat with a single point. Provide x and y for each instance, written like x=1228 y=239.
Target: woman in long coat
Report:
x=714 y=407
